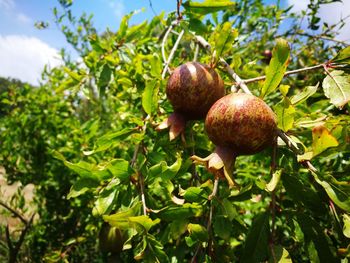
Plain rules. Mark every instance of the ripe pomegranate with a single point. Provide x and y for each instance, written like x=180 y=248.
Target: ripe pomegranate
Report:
x=238 y=124
x=191 y=89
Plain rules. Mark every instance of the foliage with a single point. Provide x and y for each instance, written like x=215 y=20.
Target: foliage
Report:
x=86 y=139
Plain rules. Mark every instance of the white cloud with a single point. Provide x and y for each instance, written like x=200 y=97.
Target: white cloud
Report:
x=329 y=13
x=24 y=57
x=24 y=19
x=7 y=4
x=118 y=8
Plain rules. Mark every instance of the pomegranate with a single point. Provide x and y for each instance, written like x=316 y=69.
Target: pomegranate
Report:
x=191 y=89
x=238 y=124
x=110 y=239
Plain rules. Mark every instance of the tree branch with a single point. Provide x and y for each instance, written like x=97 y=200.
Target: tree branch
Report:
x=171 y=55
x=14 y=212
x=296 y=71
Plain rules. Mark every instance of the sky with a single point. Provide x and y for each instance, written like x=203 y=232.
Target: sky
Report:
x=24 y=50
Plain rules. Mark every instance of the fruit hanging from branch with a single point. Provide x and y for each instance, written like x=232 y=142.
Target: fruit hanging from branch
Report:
x=238 y=124
x=110 y=239
x=191 y=89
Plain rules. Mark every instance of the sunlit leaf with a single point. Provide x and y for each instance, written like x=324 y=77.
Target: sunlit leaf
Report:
x=104 y=201
x=208 y=6
x=181 y=211
x=322 y=139
x=198 y=232
x=343 y=56
x=277 y=67
x=150 y=97
x=336 y=87
x=271 y=186
x=223 y=38
x=346 y=227
x=285 y=112
x=304 y=95
x=81 y=186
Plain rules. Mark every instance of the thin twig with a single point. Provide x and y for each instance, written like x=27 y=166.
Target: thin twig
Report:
x=196 y=52
x=273 y=203
x=151 y=5
x=172 y=53
x=133 y=165
x=296 y=71
x=210 y=218
x=14 y=212
x=142 y=188
x=178 y=6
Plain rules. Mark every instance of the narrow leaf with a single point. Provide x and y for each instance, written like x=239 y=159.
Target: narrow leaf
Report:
x=336 y=87
x=81 y=186
x=339 y=194
x=150 y=97
x=223 y=38
x=315 y=234
x=276 y=68
x=343 y=56
x=208 y=6
x=285 y=112
x=257 y=242
x=346 y=228
x=304 y=95
x=271 y=186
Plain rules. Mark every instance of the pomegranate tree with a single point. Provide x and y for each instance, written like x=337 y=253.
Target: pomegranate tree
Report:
x=238 y=124
x=191 y=89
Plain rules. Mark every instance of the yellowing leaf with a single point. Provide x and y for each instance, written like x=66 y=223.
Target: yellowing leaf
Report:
x=322 y=139
x=337 y=88
x=208 y=6
x=346 y=228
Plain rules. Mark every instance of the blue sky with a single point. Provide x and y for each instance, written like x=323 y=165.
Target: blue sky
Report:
x=24 y=50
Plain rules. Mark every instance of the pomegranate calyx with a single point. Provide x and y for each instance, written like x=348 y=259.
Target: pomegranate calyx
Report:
x=176 y=124
x=220 y=163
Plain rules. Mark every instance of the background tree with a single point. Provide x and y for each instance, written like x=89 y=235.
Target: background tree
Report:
x=86 y=138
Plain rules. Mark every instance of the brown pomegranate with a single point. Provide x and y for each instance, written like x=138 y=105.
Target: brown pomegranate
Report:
x=191 y=89
x=238 y=124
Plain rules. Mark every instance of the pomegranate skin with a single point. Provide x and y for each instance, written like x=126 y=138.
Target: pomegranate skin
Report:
x=193 y=88
x=241 y=122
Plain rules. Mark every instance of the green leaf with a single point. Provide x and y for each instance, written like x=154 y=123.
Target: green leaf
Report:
x=257 y=241
x=150 y=97
x=336 y=87
x=195 y=194
x=315 y=234
x=156 y=252
x=302 y=193
x=277 y=67
x=285 y=112
x=322 y=139
x=346 y=227
x=104 y=76
x=81 y=186
x=304 y=95
x=142 y=223
x=119 y=168
x=105 y=201
x=343 y=56
x=110 y=139
x=121 y=219
x=198 y=232
x=164 y=171
x=208 y=6
x=181 y=211
x=271 y=186
x=339 y=194
x=223 y=38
